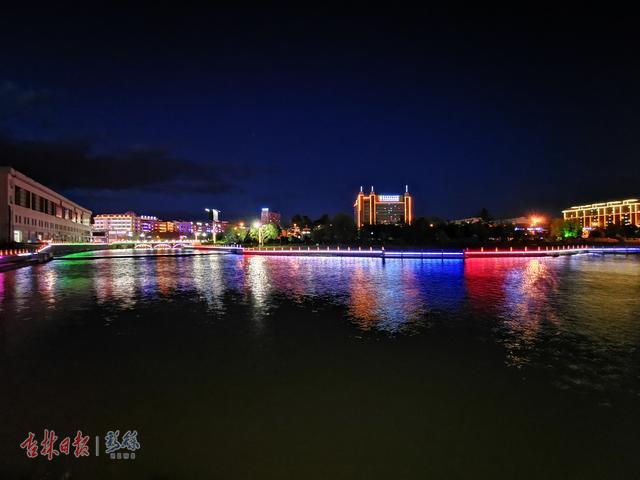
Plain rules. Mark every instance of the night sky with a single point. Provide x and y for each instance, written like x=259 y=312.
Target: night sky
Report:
x=166 y=112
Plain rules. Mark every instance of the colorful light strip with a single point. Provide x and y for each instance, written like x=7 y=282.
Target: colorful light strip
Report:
x=614 y=249
x=460 y=254
x=428 y=254
x=526 y=252
x=356 y=253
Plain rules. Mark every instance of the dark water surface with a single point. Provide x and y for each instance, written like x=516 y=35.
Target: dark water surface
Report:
x=321 y=368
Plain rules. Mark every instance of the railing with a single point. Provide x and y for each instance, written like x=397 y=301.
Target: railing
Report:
x=353 y=252
x=528 y=251
x=534 y=251
x=370 y=252
x=15 y=251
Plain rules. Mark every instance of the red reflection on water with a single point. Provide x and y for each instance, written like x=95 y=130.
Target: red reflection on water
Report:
x=521 y=293
x=484 y=279
x=493 y=283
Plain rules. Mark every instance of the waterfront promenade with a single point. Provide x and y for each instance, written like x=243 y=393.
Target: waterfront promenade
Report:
x=15 y=258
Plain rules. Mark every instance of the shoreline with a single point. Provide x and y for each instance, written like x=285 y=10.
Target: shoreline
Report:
x=12 y=262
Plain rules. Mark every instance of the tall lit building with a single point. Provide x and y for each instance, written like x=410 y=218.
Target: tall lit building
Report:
x=117 y=226
x=373 y=209
x=266 y=216
x=31 y=212
x=599 y=215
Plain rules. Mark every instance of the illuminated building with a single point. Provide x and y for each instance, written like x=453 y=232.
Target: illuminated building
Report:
x=127 y=226
x=267 y=216
x=373 y=209
x=189 y=228
x=294 y=231
x=31 y=212
x=517 y=221
x=599 y=215
x=221 y=226
x=148 y=223
x=183 y=227
x=116 y=226
x=206 y=228
x=463 y=221
x=164 y=226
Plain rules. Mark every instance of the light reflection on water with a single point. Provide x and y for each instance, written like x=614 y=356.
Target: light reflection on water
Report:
x=577 y=315
x=255 y=367
x=526 y=307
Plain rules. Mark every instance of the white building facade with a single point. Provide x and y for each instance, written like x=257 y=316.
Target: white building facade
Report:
x=31 y=212
x=117 y=226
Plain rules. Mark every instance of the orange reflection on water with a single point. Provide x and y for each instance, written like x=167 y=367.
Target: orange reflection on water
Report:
x=527 y=308
x=387 y=296
x=363 y=301
x=165 y=275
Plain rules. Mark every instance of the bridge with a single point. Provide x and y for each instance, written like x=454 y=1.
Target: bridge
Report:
x=159 y=245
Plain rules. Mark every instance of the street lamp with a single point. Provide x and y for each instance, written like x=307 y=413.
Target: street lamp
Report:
x=213 y=213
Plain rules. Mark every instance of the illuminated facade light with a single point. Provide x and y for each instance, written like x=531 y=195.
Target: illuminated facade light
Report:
x=372 y=209
x=599 y=215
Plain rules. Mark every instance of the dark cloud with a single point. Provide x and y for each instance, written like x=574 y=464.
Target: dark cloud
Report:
x=70 y=164
x=15 y=96
x=18 y=103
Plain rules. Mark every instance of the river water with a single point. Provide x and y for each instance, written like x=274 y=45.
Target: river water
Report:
x=266 y=367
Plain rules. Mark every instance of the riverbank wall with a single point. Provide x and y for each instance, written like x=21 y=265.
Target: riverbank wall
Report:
x=11 y=261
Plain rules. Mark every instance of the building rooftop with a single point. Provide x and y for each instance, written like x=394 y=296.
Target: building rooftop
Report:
x=614 y=203
x=36 y=184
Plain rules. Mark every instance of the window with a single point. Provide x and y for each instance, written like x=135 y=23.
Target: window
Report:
x=22 y=197
x=35 y=202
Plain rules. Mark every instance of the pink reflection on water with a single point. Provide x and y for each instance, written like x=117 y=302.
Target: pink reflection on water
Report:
x=517 y=293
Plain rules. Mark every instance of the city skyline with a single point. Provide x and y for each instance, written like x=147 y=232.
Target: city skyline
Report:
x=267 y=215
x=318 y=241
x=292 y=109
